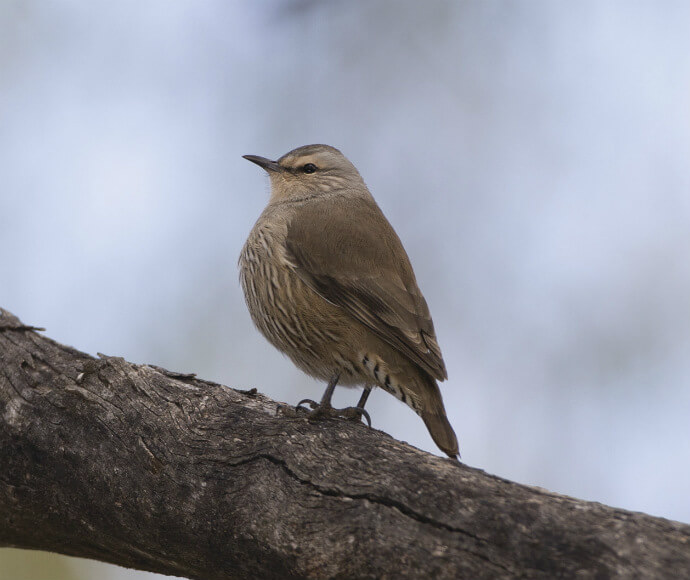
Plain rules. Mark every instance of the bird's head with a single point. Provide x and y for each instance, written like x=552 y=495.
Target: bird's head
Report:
x=307 y=171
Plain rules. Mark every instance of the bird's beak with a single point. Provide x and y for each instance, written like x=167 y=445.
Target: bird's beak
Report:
x=267 y=164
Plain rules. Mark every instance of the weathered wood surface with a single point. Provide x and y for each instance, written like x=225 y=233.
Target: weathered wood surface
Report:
x=134 y=465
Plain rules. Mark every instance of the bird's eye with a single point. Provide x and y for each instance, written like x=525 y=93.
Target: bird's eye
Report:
x=309 y=168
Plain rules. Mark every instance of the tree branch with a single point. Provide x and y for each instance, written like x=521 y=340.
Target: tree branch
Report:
x=158 y=471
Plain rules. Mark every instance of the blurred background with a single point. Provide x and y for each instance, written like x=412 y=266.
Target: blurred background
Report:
x=533 y=157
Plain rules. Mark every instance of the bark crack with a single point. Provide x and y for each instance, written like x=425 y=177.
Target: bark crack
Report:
x=379 y=500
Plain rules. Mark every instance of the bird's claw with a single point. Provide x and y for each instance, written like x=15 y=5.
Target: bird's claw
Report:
x=356 y=414
x=313 y=404
x=319 y=411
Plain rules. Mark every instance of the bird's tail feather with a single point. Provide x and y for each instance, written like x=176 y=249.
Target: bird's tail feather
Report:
x=442 y=433
x=434 y=417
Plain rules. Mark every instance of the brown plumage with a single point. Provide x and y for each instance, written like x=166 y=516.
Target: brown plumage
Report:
x=328 y=282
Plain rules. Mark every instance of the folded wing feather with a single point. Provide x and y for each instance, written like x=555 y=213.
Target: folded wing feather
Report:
x=361 y=266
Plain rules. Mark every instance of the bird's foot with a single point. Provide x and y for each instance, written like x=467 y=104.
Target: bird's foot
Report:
x=325 y=411
x=313 y=404
x=356 y=414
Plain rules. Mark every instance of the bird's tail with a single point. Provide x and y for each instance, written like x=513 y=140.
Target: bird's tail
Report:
x=434 y=416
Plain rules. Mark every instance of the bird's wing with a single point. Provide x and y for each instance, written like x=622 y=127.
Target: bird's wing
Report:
x=351 y=256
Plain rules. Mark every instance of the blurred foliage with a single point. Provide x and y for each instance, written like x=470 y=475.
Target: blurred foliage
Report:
x=36 y=565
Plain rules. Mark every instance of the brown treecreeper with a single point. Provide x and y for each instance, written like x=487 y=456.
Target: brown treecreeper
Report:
x=328 y=282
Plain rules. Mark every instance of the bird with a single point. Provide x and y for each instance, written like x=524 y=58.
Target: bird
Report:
x=327 y=282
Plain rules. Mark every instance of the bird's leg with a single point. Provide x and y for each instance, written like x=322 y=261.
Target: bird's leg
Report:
x=365 y=395
x=328 y=393
x=325 y=409
x=326 y=399
x=356 y=413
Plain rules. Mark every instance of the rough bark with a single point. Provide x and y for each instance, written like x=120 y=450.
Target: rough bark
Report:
x=137 y=466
